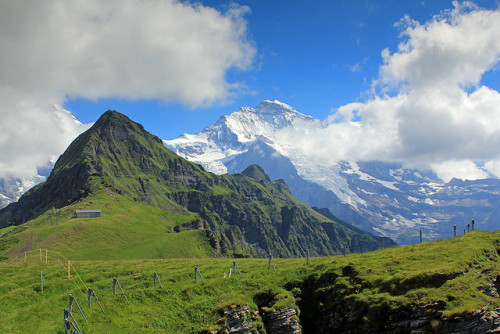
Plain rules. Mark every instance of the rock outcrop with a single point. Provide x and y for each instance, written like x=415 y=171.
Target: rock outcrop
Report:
x=241 y=320
x=285 y=321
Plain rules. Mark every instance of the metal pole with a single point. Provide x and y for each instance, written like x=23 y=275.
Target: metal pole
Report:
x=98 y=302
x=66 y=322
x=271 y=259
x=235 y=266
x=196 y=272
x=120 y=286
x=157 y=278
x=75 y=324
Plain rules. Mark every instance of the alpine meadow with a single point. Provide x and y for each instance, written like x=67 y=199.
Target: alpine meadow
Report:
x=250 y=167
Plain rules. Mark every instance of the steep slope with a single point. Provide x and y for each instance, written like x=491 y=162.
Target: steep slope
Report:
x=383 y=198
x=244 y=213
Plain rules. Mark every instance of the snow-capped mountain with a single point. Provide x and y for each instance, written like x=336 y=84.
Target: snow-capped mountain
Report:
x=12 y=188
x=380 y=197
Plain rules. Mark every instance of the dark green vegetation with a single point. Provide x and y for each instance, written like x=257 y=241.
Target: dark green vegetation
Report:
x=156 y=204
x=380 y=291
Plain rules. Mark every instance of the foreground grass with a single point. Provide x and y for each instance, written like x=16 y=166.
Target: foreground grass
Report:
x=451 y=272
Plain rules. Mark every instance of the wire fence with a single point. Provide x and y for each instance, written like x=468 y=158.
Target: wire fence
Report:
x=46 y=257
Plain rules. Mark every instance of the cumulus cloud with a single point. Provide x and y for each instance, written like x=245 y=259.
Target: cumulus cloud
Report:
x=428 y=107
x=59 y=49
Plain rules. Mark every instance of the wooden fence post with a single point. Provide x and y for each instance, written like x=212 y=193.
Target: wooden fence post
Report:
x=468 y=228
x=473 y=224
x=420 y=236
x=454 y=230
x=308 y=257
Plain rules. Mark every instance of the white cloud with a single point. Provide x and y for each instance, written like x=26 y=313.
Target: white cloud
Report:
x=464 y=169
x=152 y=49
x=429 y=108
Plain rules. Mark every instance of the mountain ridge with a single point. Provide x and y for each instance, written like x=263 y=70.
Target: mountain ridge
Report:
x=243 y=213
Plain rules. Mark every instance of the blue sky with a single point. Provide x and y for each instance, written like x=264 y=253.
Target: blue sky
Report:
x=415 y=82
x=313 y=55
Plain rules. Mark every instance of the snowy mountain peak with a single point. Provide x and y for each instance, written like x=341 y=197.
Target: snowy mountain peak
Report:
x=268 y=106
x=386 y=198
x=232 y=134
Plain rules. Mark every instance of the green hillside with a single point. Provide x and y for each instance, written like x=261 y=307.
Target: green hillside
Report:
x=432 y=287
x=156 y=204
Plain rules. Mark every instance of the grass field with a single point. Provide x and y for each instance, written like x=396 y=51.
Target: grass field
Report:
x=452 y=272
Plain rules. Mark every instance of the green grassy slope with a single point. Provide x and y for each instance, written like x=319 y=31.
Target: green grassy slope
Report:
x=126 y=230
x=451 y=274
